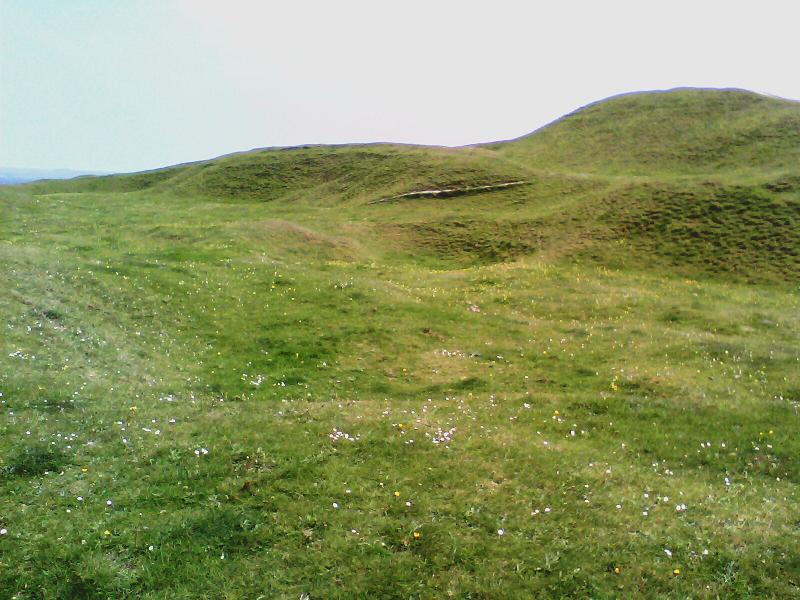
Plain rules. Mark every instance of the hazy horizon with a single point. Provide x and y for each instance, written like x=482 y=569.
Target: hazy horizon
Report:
x=92 y=86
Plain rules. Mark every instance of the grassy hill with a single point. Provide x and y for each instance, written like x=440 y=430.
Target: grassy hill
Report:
x=681 y=132
x=273 y=374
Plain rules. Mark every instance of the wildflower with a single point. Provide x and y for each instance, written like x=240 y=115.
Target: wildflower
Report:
x=109 y=503
x=417 y=535
x=3 y=531
x=501 y=532
x=337 y=435
x=667 y=551
x=106 y=533
x=335 y=505
x=676 y=572
x=617 y=570
x=397 y=494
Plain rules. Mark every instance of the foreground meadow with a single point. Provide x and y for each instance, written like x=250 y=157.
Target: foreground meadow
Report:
x=232 y=399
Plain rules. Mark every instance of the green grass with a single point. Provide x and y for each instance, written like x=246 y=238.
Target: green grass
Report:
x=684 y=132
x=573 y=359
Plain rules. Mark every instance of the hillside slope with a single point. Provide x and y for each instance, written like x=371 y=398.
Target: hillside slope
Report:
x=326 y=173
x=686 y=131
x=697 y=182
x=301 y=373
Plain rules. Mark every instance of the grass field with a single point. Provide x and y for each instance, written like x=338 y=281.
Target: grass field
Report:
x=251 y=378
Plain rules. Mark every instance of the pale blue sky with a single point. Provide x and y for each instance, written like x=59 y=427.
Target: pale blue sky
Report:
x=120 y=86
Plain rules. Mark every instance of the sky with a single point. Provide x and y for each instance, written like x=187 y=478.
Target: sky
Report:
x=112 y=85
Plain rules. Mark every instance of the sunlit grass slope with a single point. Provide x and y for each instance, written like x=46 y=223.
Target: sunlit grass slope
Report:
x=681 y=132
x=260 y=376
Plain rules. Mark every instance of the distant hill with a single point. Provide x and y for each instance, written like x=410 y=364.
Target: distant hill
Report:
x=11 y=176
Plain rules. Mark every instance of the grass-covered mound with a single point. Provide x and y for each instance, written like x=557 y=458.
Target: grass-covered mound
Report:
x=686 y=131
